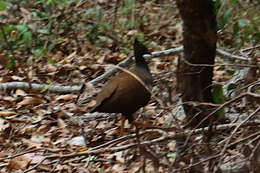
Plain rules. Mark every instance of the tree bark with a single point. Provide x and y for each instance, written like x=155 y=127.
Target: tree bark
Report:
x=199 y=33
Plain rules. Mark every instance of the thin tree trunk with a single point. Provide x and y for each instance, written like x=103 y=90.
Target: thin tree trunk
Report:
x=199 y=32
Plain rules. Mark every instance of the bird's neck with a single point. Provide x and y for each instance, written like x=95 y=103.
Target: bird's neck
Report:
x=141 y=65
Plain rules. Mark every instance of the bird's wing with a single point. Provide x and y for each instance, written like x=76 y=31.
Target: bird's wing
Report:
x=106 y=92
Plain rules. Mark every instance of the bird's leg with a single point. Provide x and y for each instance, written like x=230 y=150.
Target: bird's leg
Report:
x=122 y=128
x=137 y=132
x=137 y=125
x=140 y=124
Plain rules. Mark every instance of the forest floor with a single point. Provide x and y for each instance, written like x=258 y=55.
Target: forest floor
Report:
x=42 y=131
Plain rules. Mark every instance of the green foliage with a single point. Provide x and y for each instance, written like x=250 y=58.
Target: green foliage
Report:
x=230 y=88
x=38 y=52
x=93 y=34
x=51 y=23
x=217 y=6
x=2 y=5
x=60 y=25
x=238 y=26
x=11 y=62
x=128 y=6
x=223 y=20
x=22 y=37
x=218 y=98
x=51 y=61
x=172 y=155
x=245 y=30
x=98 y=14
x=15 y=37
x=94 y=30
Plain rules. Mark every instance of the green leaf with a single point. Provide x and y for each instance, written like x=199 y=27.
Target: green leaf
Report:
x=51 y=46
x=141 y=37
x=242 y=22
x=2 y=5
x=98 y=14
x=107 y=26
x=235 y=29
x=93 y=34
x=218 y=98
x=22 y=28
x=11 y=62
x=38 y=52
x=43 y=31
x=224 y=19
x=218 y=94
x=27 y=36
x=171 y=155
x=54 y=43
x=89 y=11
x=51 y=61
x=8 y=29
x=129 y=5
x=227 y=15
x=256 y=36
x=217 y=5
x=231 y=86
x=127 y=11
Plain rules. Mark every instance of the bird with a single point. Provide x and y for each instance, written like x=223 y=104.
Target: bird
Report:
x=123 y=93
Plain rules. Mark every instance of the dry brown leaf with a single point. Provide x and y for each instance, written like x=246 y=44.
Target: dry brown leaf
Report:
x=70 y=107
x=31 y=144
x=160 y=120
x=4 y=125
x=117 y=168
x=43 y=128
x=3 y=60
x=17 y=78
x=3 y=154
x=31 y=74
x=100 y=59
x=81 y=149
x=20 y=92
x=9 y=99
x=67 y=97
x=36 y=158
x=101 y=125
x=2 y=140
x=61 y=123
x=58 y=56
x=71 y=56
x=7 y=113
x=132 y=32
x=27 y=16
x=50 y=68
x=91 y=104
x=17 y=163
x=42 y=112
x=120 y=157
x=30 y=101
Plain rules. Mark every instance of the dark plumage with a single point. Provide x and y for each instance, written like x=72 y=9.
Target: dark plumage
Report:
x=123 y=93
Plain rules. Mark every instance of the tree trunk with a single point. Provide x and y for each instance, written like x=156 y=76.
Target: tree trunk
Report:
x=199 y=32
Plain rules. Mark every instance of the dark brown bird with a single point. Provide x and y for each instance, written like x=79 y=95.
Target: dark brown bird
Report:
x=123 y=93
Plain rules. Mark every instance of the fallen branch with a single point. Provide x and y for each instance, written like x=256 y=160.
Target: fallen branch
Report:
x=43 y=87
x=124 y=63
